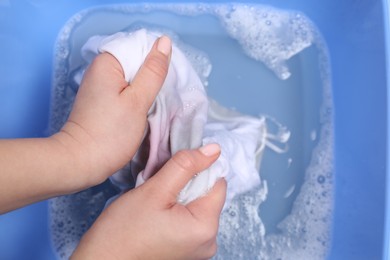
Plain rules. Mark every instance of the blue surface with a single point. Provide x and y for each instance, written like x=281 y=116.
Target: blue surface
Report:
x=354 y=32
x=386 y=9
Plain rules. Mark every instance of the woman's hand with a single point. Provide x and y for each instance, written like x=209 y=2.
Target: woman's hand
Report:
x=109 y=116
x=102 y=134
x=148 y=223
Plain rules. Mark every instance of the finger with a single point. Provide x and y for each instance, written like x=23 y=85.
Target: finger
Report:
x=210 y=206
x=179 y=170
x=151 y=76
x=105 y=70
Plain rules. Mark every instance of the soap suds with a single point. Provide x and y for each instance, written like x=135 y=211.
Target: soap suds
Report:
x=266 y=34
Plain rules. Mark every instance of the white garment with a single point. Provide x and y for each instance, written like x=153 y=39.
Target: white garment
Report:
x=183 y=118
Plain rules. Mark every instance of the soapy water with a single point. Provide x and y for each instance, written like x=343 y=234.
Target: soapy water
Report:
x=267 y=35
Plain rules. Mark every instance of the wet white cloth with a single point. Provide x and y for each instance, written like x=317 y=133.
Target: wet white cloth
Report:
x=183 y=118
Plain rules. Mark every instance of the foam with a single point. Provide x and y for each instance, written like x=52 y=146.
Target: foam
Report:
x=266 y=34
x=305 y=232
x=71 y=216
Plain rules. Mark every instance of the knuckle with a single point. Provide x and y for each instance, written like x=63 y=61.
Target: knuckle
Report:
x=185 y=161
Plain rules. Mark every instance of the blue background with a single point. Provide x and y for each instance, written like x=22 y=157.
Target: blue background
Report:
x=354 y=32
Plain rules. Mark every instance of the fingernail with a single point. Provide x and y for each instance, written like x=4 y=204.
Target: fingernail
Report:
x=210 y=149
x=164 y=45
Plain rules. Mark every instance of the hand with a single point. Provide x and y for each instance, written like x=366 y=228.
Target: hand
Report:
x=102 y=134
x=109 y=116
x=148 y=223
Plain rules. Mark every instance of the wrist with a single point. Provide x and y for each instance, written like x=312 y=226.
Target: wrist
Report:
x=82 y=171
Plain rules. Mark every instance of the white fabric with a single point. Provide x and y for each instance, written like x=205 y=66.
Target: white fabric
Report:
x=183 y=118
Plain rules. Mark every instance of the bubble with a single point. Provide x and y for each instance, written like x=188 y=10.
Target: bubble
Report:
x=232 y=213
x=321 y=179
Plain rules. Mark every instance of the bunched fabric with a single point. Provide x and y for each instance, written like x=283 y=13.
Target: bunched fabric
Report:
x=183 y=117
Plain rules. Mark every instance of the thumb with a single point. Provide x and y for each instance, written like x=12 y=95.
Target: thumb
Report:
x=210 y=206
x=179 y=170
x=151 y=75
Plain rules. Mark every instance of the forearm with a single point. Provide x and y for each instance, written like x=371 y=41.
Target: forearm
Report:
x=36 y=169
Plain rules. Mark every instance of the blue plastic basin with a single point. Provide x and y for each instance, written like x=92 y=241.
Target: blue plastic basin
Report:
x=355 y=33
